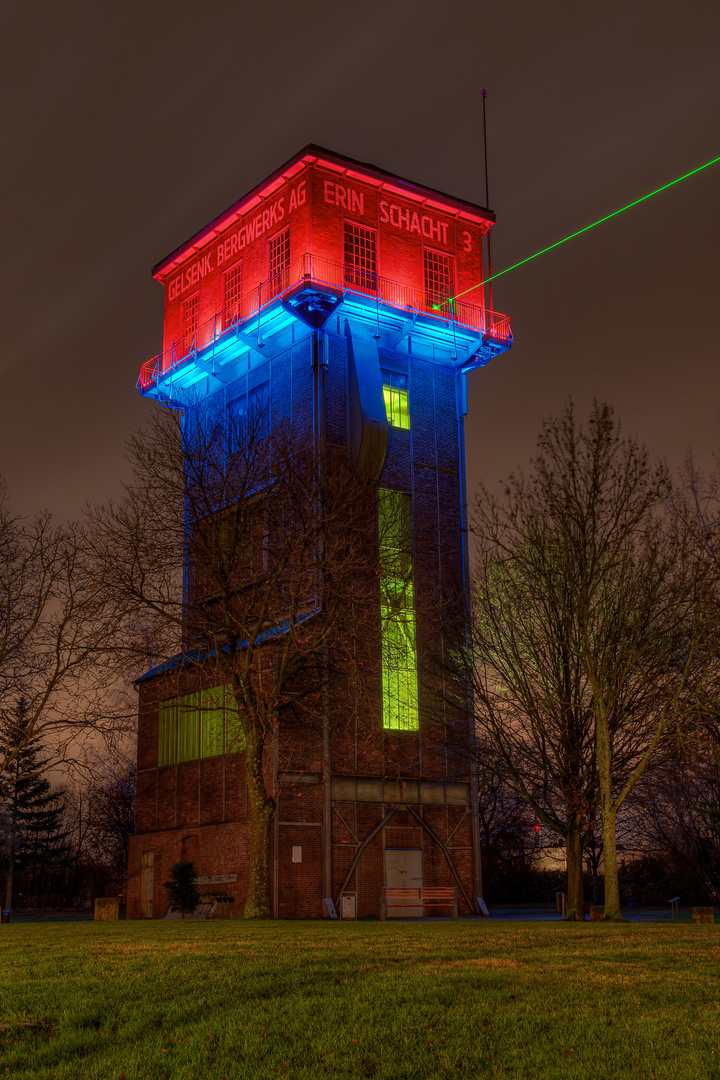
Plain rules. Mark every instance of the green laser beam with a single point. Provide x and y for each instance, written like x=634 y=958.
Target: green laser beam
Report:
x=579 y=232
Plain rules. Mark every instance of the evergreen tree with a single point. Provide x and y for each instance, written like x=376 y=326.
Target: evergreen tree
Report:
x=32 y=815
x=709 y=809
x=181 y=888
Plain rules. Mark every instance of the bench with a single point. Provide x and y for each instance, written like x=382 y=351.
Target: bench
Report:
x=424 y=896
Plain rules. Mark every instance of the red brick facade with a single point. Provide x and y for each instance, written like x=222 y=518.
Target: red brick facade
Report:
x=198 y=810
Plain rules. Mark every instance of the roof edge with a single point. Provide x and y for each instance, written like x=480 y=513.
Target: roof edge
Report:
x=320 y=153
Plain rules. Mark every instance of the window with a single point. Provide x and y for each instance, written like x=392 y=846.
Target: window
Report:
x=258 y=399
x=247 y=417
x=232 y=294
x=278 y=262
x=396 y=399
x=360 y=254
x=396 y=407
x=222 y=556
x=235 y=411
x=190 y=315
x=439 y=280
x=204 y=723
x=397 y=613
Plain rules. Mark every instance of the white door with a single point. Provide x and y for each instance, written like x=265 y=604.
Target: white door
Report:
x=403 y=870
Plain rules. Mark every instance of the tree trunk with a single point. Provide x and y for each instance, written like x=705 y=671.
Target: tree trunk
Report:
x=608 y=813
x=612 y=885
x=607 y=810
x=13 y=840
x=262 y=808
x=575 y=892
x=594 y=859
x=9 y=882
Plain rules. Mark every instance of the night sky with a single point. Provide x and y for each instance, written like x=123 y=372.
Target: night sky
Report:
x=127 y=126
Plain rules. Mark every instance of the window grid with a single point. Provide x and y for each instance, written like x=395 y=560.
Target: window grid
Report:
x=360 y=256
x=279 y=262
x=439 y=280
x=204 y=723
x=232 y=292
x=190 y=316
x=247 y=415
x=396 y=407
x=234 y=415
x=222 y=551
x=397 y=613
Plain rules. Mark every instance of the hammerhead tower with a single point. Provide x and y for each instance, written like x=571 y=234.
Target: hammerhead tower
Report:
x=329 y=290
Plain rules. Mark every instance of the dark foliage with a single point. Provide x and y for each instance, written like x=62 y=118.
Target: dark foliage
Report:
x=181 y=888
x=654 y=879
x=35 y=854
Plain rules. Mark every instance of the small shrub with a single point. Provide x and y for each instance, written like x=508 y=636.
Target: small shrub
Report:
x=181 y=888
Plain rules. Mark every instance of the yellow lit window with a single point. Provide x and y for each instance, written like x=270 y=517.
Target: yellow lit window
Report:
x=204 y=723
x=397 y=613
x=396 y=406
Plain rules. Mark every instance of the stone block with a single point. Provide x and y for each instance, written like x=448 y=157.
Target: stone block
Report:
x=106 y=908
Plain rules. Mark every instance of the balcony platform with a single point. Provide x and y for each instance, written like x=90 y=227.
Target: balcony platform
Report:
x=316 y=293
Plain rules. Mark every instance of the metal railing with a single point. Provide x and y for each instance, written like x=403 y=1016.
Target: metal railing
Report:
x=312 y=269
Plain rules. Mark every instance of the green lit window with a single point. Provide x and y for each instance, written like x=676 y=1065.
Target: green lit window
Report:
x=396 y=406
x=397 y=613
x=167 y=733
x=204 y=723
x=188 y=713
x=395 y=392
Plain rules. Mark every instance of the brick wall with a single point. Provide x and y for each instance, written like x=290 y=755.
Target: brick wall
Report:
x=207 y=799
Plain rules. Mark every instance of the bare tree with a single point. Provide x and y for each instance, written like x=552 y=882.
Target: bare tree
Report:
x=52 y=638
x=244 y=558
x=100 y=817
x=533 y=706
x=510 y=831
x=677 y=813
x=112 y=817
x=590 y=631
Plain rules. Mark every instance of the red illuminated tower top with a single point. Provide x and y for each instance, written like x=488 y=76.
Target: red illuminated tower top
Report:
x=321 y=233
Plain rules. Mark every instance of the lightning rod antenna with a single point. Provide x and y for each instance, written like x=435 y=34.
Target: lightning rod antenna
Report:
x=487 y=295
x=487 y=197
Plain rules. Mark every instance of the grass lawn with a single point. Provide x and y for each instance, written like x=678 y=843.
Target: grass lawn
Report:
x=186 y=1001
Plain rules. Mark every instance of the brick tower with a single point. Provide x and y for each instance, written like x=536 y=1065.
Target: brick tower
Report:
x=331 y=285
